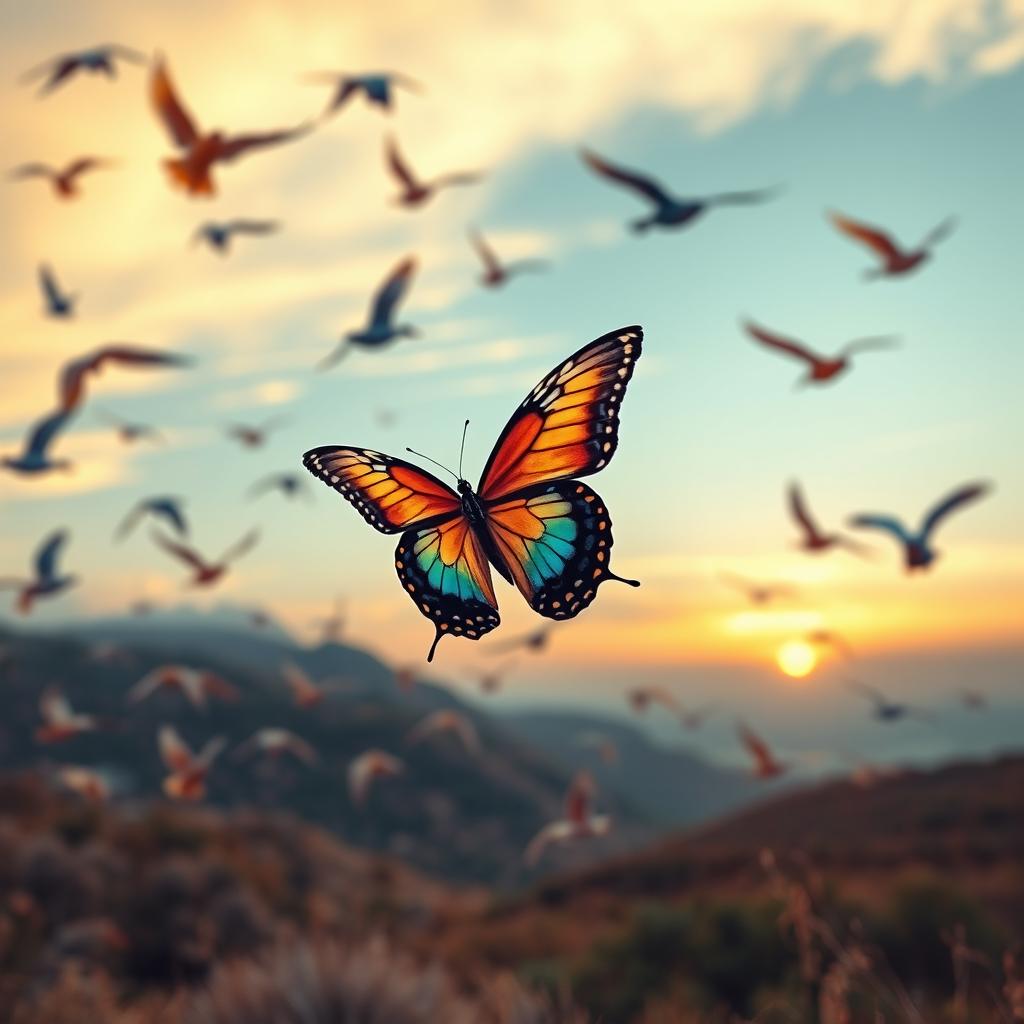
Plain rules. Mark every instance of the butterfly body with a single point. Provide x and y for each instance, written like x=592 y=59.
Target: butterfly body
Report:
x=543 y=531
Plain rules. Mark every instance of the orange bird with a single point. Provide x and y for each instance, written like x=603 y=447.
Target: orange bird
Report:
x=60 y=722
x=766 y=765
x=71 y=385
x=414 y=191
x=64 y=180
x=275 y=743
x=446 y=720
x=305 y=692
x=200 y=151
x=195 y=683
x=88 y=784
x=820 y=368
x=496 y=273
x=189 y=771
x=893 y=259
x=579 y=821
x=642 y=697
x=366 y=769
x=206 y=573
x=814 y=539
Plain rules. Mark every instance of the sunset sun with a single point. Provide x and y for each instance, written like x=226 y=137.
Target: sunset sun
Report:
x=796 y=659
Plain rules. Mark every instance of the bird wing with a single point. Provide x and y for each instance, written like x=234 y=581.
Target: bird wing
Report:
x=867 y=691
x=168 y=107
x=32 y=171
x=48 y=283
x=171 y=511
x=485 y=252
x=743 y=198
x=217 y=686
x=872 y=344
x=458 y=178
x=253 y=227
x=210 y=751
x=239 y=144
x=301 y=749
x=631 y=179
x=81 y=165
x=961 y=496
x=174 y=751
x=344 y=91
x=72 y=377
x=579 y=798
x=147 y=685
x=540 y=842
x=242 y=547
x=872 y=521
x=180 y=551
x=126 y=53
x=46 y=557
x=874 y=238
x=46 y=430
x=780 y=343
x=131 y=520
x=760 y=750
x=391 y=292
x=298 y=682
x=939 y=233
x=398 y=167
x=799 y=511
x=61 y=70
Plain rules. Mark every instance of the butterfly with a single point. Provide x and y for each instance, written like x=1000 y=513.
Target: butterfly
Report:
x=543 y=530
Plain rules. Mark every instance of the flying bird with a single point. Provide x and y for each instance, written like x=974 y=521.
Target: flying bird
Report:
x=166 y=508
x=95 y=60
x=366 y=769
x=814 y=540
x=60 y=722
x=918 y=553
x=766 y=765
x=380 y=328
x=757 y=593
x=973 y=700
x=542 y=529
x=405 y=678
x=254 y=436
x=376 y=86
x=492 y=680
x=196 y=684
x=87 y=783
x=219 y=234
x=414 y=191
x=58 y=303
x=206 y=573
x=579 y=820
x=495 y=272
x=604 y=746
x=74 y=375
x=305 y=693
x=884 y=709
x=201 y=151
x=831 y=639
x=669 y=211
x=130 y=431
x=450 y=721
x=536 y=640
x=893 y=259
x=820 y=369
x=642 y=697
x=48 y=580
x=63 y=179
x=35 y=458
x=332 y=627
x=188 y=771
x=290 y=485
x=275 y=743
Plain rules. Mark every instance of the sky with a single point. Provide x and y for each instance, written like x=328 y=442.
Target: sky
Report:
x=899 y=114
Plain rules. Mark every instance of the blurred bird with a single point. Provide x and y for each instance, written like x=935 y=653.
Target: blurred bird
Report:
x=57 y=303
x=694 y=718
x=894 y=260
x=207 y=573
x=64 y=180
x=604 y=746
x=275 y=743
x=814 y=540
x=414 y=191
x=188 y=771
x=291 y=485
x=831 y=639
x=446 y=720
x=366 y=769
x=497 y=273
x=332 y=627
x=87 y=783
x=492 y=680
x=191 y=171
x=254 y=437
x=537 y=640
x=766 y=765
x=166 y=508
x=974 y=700
x=60 y=722
x=48 y=581
x=306 y=693
x=884 y=709
x=74 y=374
x=376 y=86
x=380 y=328
x=669 y=211
x=196 y=684
x=642 y=697
x=106 y=652
x=34 y=457
x=96 y=59
x=405 y=678
x=218 y=234
x=757 y=593
x=918 y=553
x=579 y=821
x=820 y=368
x=130 y=431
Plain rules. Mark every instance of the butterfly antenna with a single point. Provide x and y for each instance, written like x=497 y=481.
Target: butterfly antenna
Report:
x=412 y=451
x=462 y=450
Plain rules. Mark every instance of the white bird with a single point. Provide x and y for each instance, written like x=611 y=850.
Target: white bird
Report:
x=366 y=769
x=60 y=722
x=579 y=822
x=446 y=720
x=275 y=743
x=188 y=771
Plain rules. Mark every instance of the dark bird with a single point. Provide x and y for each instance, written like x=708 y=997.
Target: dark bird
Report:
x=831 y=640
x=64 y=180
x=918 y=552
x=200 y=151
x=495 y=272
x=758 y=593
x=48 y=580
x=380 y=328
x=254 y=436
x=669 y=211
x=205 y=573
x=973 y=700
x=893 y=259
x=130 y=431
x=166 y=508
x=414 y=191
x=35 y=457
x=75 y=373
x=57 y=303
x=291 y=485
x=814 y=539
x=819 y=368
x=537 y=640
x=884 y=709
x=218 y=234
x=96 y=60
x=766 y=764
x=376 y=86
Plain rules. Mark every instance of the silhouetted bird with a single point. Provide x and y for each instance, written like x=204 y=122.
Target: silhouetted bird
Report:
x=200 y=151
x=218 y=234
x=884 y=709
x=766 y=764
x=918 y=553
x=669 y=211
x=96 y=59
x=820 y=369
x=130 y=431
x=381 y=328
x=48 y=581
x=893 y=259
x=196 y=684
x=58 y=303
x=204 y=573
x=64 y=180
x=254 y=436
x=814 y=539
x=74 y=374
x=166 y=508
x=757 y=593
x=537 y=640
x=414 y=191
x=495 y=272
x=35 y=457
x=377 y=86
x=291 y=485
